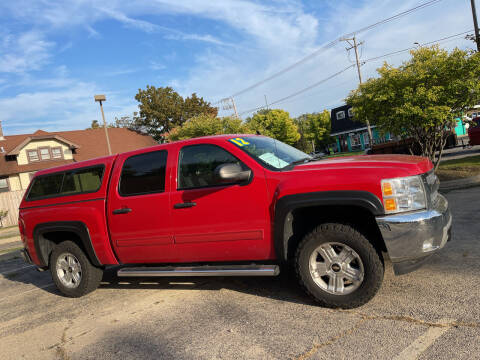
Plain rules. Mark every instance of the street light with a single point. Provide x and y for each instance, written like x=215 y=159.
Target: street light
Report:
x=101 y=98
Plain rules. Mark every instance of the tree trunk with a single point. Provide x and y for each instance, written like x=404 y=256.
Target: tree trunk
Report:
x=440 y=152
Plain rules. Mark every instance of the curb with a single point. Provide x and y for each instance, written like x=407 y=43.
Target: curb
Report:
x=460 y=183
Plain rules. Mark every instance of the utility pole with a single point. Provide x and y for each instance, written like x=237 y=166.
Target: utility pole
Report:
x=355 y=46
x=100 y=99
x=235 y=108
x=266 y=102
x=229 y=104
x=475 y=24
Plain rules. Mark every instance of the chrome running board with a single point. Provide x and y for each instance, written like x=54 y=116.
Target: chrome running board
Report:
x=204 y=270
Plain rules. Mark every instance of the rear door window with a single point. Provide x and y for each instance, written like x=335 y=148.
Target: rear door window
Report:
x=143 y=174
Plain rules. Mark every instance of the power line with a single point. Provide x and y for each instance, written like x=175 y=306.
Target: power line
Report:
x=300 y=91
x=348 y=67
x=331 y=44
x=394 y=17
x=413 y=47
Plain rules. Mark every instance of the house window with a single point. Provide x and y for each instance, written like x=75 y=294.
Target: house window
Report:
x=350 y=112
x=366 y=140
x=4 y=185
x=57 y=153
x=340 y=115
x=44 y=153
x=32 y=155
x=355 y=139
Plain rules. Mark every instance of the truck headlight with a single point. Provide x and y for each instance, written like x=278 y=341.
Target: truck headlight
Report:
x=403 y=194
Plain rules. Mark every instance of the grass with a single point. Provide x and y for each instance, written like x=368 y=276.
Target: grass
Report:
x=459 y=168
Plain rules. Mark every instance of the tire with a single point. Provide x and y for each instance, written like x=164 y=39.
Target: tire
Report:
x=72 y=272
x=338 y=266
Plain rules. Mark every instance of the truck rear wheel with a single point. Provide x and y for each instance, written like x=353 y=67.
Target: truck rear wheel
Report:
x=71 y=270
x=338 y=266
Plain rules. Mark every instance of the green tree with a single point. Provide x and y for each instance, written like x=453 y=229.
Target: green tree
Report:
x=275 y=123
x=194 y=106
x=162 y=109
x=421 y=98
x=204 y=125
x=94 y=125
x=128 y=122
x=314 y=130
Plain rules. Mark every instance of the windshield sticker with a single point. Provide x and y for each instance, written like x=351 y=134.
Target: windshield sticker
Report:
x=239 y=142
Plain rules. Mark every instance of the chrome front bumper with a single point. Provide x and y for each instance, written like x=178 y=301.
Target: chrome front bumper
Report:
x=410 y=238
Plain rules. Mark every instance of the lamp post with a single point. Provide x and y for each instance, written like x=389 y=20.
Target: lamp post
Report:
x=101 y=98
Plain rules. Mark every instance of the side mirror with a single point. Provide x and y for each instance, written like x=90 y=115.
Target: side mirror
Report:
x=232 y=173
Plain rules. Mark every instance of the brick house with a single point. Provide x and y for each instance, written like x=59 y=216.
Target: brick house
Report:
x=22 y=155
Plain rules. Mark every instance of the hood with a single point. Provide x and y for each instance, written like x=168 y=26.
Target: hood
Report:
x=406 y=164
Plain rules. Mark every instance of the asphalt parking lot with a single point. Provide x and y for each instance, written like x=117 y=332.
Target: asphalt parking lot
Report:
x=433 y=313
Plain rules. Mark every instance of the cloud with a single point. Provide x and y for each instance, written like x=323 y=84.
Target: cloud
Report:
x=123 y=18
x=24 y=52
x=70 y=107
x=267 y=36
x=120 y=71
x=230 y=72
x=155 y=65
x=196 y=37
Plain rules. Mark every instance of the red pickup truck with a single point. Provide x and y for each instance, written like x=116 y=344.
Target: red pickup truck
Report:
x=474 y=132
x=235 y=205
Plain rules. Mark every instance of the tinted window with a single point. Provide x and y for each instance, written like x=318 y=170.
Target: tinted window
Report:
x=197 y=165
x=86 y=180
x=66 y=183
x=44 y=186
x=143 y=174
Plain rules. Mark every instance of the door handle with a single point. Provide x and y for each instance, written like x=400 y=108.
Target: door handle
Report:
x=121 y=211
x=184 y=205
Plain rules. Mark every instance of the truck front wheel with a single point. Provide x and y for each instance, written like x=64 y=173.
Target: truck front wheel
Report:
x=338 y=266
x=71 y=270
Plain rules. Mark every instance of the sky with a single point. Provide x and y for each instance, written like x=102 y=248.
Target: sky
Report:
x=55 y=55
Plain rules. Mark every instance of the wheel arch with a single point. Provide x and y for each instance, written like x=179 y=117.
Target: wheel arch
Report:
x=47 y=235
x=296 y=215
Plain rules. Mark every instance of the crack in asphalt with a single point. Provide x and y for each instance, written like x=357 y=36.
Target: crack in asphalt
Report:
x=60 y=349
x=309 y=353
x=411 y=320
x=365 y=317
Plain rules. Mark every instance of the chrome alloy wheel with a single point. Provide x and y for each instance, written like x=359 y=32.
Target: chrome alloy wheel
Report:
x=69 y=270
x=336 y=268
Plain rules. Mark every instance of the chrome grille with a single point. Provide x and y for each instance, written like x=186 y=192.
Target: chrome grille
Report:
x=431 y=183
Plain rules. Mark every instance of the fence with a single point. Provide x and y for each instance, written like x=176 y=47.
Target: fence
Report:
x=11 y=201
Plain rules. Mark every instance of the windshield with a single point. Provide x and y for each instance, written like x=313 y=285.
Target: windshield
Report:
x=269 y=152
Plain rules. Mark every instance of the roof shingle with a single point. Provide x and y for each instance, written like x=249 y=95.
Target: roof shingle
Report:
x=91 y=142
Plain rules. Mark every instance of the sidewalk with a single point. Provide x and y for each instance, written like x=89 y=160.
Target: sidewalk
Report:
x=460 y=152
x=460 y=183
x=9 y=239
